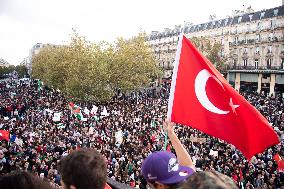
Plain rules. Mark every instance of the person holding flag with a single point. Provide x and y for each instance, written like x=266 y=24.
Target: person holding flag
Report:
x=201 y=98
x=162 y=169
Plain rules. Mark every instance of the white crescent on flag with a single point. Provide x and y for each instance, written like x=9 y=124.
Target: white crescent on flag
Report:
x=200 y=91
x=200 y=85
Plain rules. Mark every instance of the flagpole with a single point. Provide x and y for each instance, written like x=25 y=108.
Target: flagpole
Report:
x=174 y=76
x=166 y=141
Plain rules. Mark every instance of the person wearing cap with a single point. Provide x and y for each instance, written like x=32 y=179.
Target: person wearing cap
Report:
x=163 y=170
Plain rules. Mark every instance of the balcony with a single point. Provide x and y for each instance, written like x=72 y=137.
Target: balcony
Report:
x=233 y=67
x=233 y=43
x=245 y=55
x=269 y=54
x=256 y=55
x=256 y=41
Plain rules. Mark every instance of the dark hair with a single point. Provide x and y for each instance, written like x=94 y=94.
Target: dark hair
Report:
x=169 y=186
x=209 y=180
x=84 y=169
x=22 y=180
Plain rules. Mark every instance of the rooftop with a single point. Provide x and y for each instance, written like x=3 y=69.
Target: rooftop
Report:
x=247 y=17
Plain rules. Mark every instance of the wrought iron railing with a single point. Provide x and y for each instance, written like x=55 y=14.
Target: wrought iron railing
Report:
x=235 y=67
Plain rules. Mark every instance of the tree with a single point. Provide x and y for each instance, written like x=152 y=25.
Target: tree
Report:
x=133 y=64
x=21 y=70
x=211 y=50
x=94 y=71
x=6 y=70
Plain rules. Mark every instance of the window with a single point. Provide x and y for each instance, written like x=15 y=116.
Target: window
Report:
x=235 y=63
x=236 y=39
x=273 y=23
x=245 y=62
x=270 y=37
x=250 y=17
x=246 y=40
x=169 y=64
x=262 y=15
x=257 y=50
x=248 y=27
x=259 y=26
x=269 y=49
x=256 y=63
x=269 y=63
x=222 y=53
x=257 y=37
x=239 y=19
x=282 y=63
x=275 y=12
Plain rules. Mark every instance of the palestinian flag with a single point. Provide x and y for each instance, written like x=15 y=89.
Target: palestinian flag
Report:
x=39 y=85
x=74 y=108
x=60 y=126
x=79 y=116
x=96 y=118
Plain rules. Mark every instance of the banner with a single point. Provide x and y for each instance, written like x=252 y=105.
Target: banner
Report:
x=56 y=117
x=60 y=126
x=213 y=153
x=104 y=113
x=196 y=139
x=87 y=111
x=94 y=110
x=19 y=142
x=118 y=137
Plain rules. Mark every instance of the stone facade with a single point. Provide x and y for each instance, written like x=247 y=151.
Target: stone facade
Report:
x=250 y=40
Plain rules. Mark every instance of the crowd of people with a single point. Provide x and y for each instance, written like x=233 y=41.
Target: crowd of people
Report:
x=125 y=131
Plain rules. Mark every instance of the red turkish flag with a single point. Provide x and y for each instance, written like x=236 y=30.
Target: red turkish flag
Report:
x=280 y=162
x=201 y=98
x=277 y=157
x=169 y=148
x=4 y=135
x=281 y=166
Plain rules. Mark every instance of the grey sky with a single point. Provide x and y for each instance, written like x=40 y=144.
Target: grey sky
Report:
x=26 y=22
